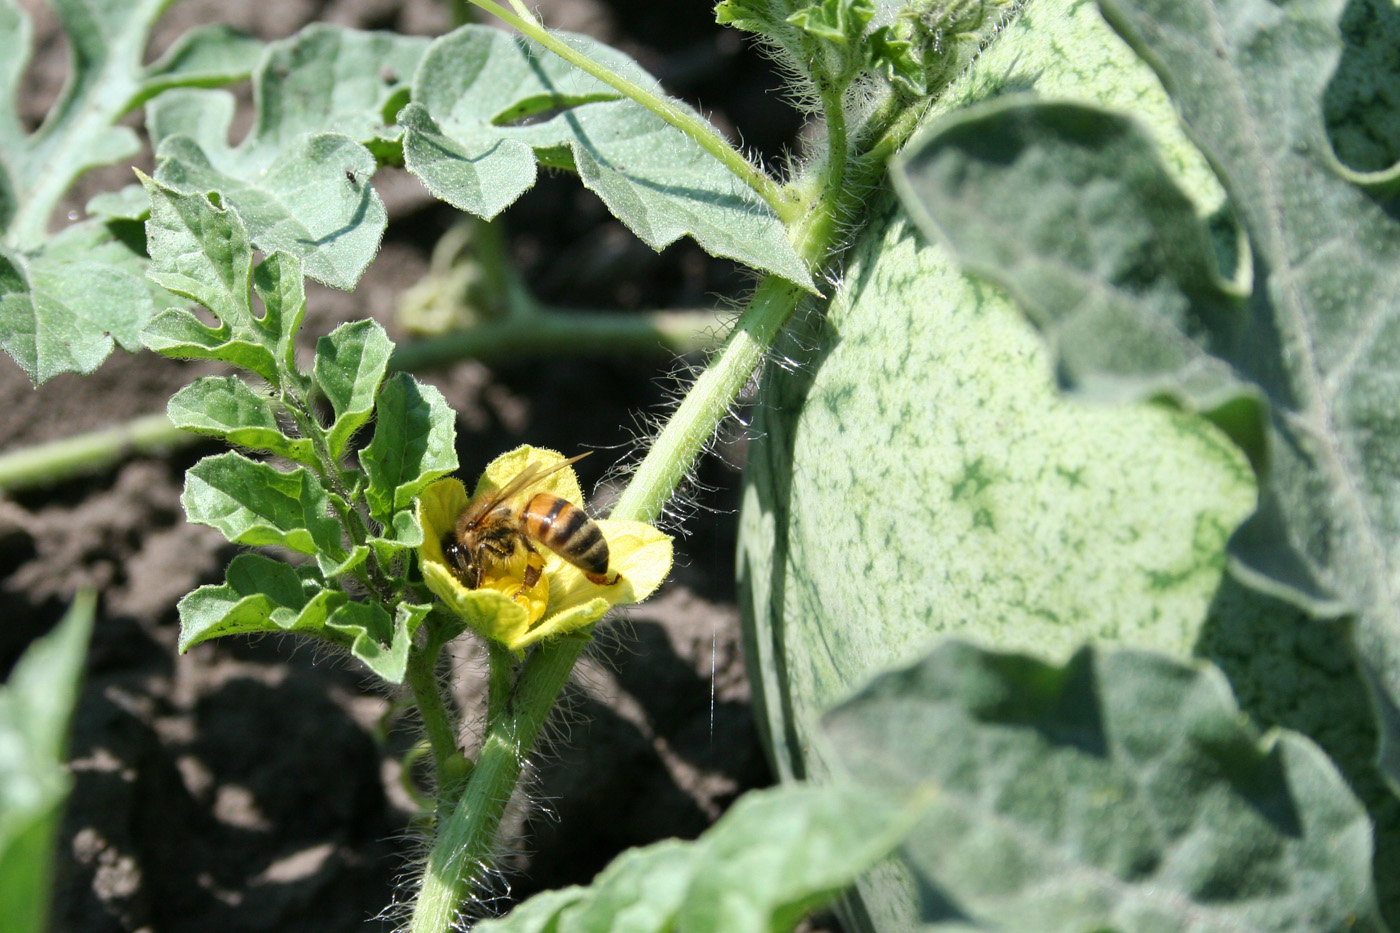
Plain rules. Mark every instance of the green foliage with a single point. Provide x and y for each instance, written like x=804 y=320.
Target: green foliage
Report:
x=299 y=180
x=356 y=533
x=916 y=47
x=487 y=106
x=36 y=705
x=1115 y=266
x=62 y=308
x=919 y=427
x=772 y=859
x=1062 y=802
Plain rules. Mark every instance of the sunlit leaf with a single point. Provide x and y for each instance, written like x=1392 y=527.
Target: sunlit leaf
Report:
x=65 y=316
x=487 y=105
x=300 y=178
x=413 y=444
x=349 y=366
x=774 y=857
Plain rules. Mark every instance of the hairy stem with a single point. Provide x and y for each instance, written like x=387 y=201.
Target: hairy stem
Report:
x=467 y=836
x=770 y=191
x=421 y=677
x=675 y=450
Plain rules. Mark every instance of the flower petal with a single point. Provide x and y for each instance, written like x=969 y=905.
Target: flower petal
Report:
x=490 y=612
x=564 y=600
x=512 y=463
x=561 y=623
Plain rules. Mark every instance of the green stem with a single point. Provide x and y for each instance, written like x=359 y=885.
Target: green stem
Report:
x=675 y=450
x=466 y=837
x=500 y=668
x=421 y=677
x=699 y=130
x=48 y=463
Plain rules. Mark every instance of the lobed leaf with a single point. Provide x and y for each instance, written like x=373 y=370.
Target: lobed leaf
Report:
x=774 y=857
x=254 y=503
x=299 y=179
x=201 y=251
x=487 y=106
x=1130 y=299
x=129 y=203
x=36 y=706
x=65 y=316
x=209 y=55
x=1120 y=791
x=225 y=407
x=350 y=364
x=413 y=444
x=260 y=595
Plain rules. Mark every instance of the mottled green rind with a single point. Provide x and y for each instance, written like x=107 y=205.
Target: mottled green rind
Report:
x=1121 y=790
x=915 y=473
x=777 y=855
x=36 y=705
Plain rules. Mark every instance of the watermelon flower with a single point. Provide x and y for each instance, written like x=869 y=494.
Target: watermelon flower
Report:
x=564 y=599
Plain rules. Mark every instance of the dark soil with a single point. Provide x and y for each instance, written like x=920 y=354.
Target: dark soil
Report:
x=255 y=785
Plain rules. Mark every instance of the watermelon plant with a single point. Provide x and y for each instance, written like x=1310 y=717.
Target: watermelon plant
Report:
x=1072 y=757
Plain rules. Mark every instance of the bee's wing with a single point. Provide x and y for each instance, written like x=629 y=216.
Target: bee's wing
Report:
x=527 y=477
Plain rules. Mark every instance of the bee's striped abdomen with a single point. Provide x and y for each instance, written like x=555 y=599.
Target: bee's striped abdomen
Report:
x=567 y=530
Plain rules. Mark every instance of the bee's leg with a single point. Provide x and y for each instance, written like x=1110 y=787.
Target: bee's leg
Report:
x=534 y=567
x=601 y=579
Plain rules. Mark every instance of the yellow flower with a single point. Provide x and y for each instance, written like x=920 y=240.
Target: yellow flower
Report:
x=563 y=600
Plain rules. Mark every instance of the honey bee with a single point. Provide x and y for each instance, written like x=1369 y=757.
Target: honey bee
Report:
x=494 y=524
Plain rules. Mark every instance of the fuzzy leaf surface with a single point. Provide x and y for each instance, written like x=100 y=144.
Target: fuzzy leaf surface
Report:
x=36 y=706
x=260 y=595
x=486 y=106
x=202 y=252
x=776 y=856
x=60 y=313
x=1129 y=298
x=256 y=504
x=350 y=364
x=210 y=55
x=413 y=444
x=1120 y=791
x=300 y=178
x=224 y=406
x=66 y=316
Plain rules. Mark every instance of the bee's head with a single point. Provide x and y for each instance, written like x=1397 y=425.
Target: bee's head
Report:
x=459 y=558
